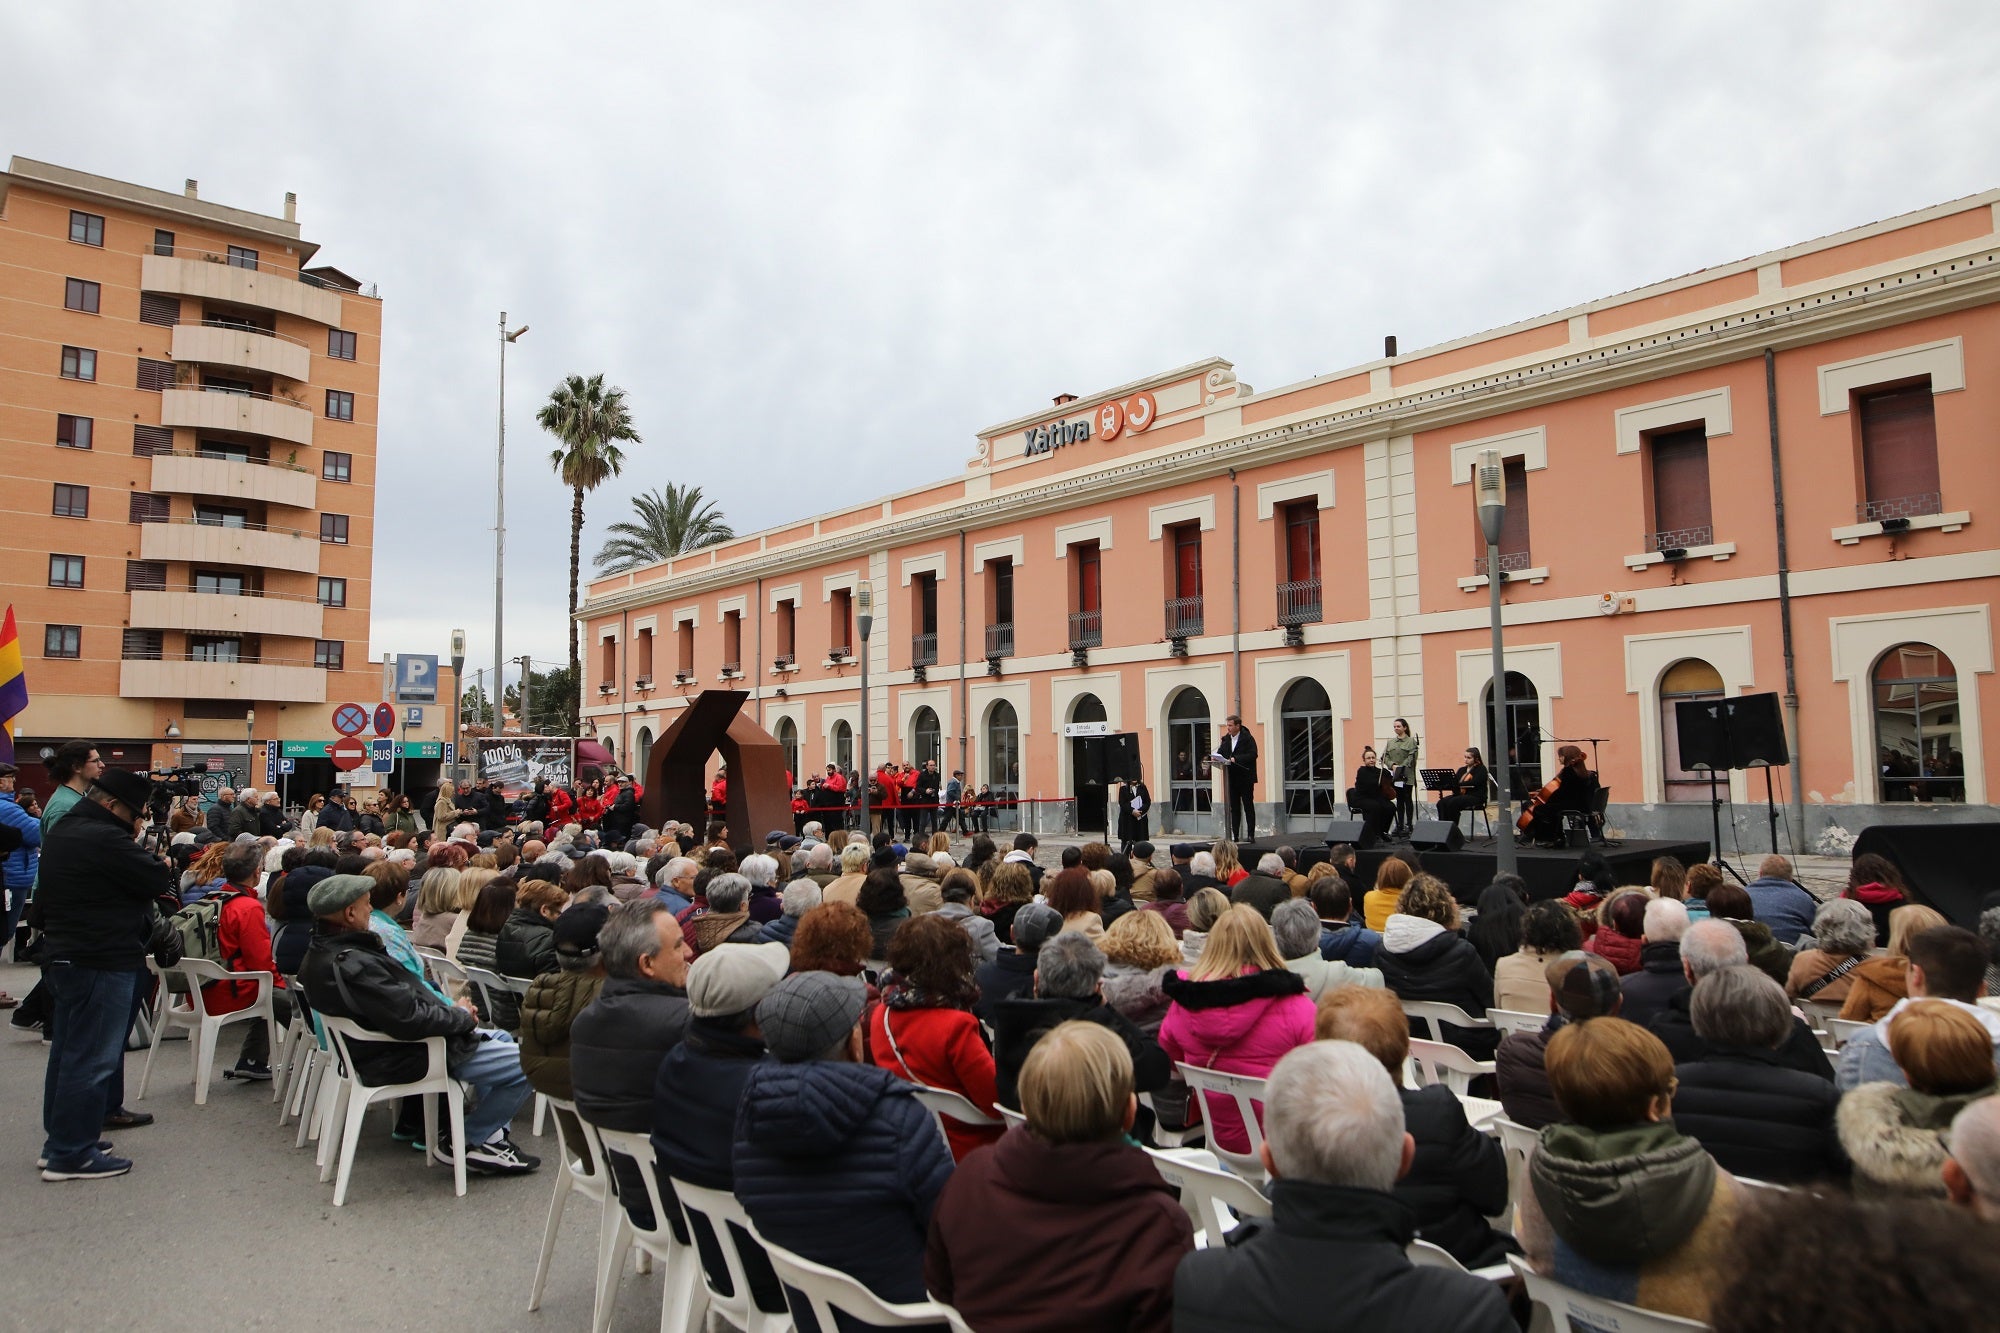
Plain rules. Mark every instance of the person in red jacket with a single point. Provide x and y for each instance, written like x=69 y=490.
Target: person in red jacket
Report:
x=1066 y=1198
x=882 y=799
x=562 y=806
x=245 y=937
x=924 y=1029
x=1621 y=927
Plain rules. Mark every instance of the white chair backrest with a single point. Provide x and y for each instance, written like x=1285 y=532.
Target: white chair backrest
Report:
x=582 y=1149
x=1010 y=1115
x=1247 y=1094
x=721 y=1210
x=943 y=1104
x=1570 y=1309
x=1818 y=1012
x=1213 y=1197
x=1842 y=1030
x=341 y=1031
x=1433 y=1012
x=827 y=1290
x=1516 y=1020
x=639 y=1148
x=1441 y=1062
x=1426 y=1255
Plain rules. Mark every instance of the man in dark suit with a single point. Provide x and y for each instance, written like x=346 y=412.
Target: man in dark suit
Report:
x=1237 y=753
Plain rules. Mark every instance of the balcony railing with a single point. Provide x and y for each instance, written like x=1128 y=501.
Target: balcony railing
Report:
x=732 y=668
x=1298 y=602
x=1905 y=506
x=256 y=266
x=1680 y=539
x=923 y=650
x=1511 y=562
x=1184 y=618
x=1086 y=629
x=1000 y=640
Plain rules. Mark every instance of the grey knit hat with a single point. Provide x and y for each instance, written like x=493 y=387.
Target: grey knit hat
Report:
x=807 y=1012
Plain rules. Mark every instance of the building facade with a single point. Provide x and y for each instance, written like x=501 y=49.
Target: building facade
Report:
x=1772 y=476
x=188 y=409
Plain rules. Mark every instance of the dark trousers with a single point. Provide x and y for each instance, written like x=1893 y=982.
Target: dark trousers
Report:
x=1451 y=807
x=257 y=1038
x=1405 y=806
x=1377 y=813
x=1242 y=802
x=85 y=1079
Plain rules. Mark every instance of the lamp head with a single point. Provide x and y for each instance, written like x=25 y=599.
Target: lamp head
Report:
x=1489 y=476
x=515 y=336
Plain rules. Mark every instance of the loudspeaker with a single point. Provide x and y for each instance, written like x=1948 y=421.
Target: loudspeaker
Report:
x=1730 y=733
x=1436 y=835
x=1702 y=728
x=1353 y=831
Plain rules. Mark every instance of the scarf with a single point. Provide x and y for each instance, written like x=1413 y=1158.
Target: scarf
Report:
x=713 y=928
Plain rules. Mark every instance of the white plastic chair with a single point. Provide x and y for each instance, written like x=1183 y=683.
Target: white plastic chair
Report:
x=1010 y=1115
x=1243 y=1090
x=1818 y=1012
x=943 y=1104
x=489 y=984
x=1193 y=1135
x=202 y=1026
x=1510 y=1021
x=826 y=1290
x=1593 y=1314
x=360 y=1096
x=1517 y=1141
x=584 y=1171
x=1433 y=1012
x=1214 y=1198
x=1842 y=1030
x=719 y=1209
x=1424 y=1254
x=1441 y=1062
x=448 y=976
x=684 y=1294
x=289 y=1054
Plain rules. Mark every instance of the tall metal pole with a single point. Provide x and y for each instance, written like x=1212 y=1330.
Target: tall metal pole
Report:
x=1491 y=497
x=866 y=620
x=500 y=525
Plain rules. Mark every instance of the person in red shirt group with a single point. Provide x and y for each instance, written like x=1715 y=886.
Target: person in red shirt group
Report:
x=245 y=938
x=886 y=787
x=589 y=806
x=924 y=1029
x=906 y=802
x=562 y=806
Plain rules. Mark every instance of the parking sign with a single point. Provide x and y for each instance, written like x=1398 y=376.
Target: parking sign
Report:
x=416 y=679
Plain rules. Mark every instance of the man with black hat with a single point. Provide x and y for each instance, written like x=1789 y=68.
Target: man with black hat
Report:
x=94 y=901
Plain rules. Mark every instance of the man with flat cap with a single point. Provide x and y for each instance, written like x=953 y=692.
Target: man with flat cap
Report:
x=348 y=973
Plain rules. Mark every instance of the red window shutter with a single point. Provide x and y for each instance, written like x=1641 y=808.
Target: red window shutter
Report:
x=1899 y=443
x=1301 y=542
x=1089 y=593
x=1187 y=561
x=1680 y=482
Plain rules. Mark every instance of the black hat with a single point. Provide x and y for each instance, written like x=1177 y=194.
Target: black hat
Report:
x=131 y=788
x=576 y=929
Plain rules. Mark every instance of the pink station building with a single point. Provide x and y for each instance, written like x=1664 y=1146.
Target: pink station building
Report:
x=1771 y=476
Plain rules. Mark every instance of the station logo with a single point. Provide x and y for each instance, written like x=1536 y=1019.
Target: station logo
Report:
x=1109 y=421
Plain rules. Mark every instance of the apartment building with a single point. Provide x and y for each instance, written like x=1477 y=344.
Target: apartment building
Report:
x=1776 y=475
x=188 y=410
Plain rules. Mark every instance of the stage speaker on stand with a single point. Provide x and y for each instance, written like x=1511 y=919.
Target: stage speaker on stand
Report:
x=1353 y=831
x=1436 y=835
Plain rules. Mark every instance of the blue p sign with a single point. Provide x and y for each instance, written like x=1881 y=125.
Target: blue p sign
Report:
x=416 y=679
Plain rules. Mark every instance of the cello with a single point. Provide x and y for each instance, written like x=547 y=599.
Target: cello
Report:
x=1533 y=805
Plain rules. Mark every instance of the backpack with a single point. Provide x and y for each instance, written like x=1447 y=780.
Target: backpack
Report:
x=199 y=929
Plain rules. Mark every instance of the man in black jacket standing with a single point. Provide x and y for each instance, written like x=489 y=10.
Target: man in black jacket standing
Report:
x=94 y=899
x=348 y=973
x=1237 y=753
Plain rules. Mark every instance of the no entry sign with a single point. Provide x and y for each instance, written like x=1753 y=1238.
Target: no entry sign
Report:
x=348 y=754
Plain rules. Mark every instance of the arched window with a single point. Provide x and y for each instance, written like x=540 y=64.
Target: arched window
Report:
x=841 y=748
x=1189 y=744
x=1003 y=762
x=1686 y=680
x=1523 y=714
x=1312 y=770
x=926 y=738
x=1919 y=731
x=788 y=742
x=642 y=751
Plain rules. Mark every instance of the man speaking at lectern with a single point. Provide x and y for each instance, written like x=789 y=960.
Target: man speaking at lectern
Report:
x=1236 y=753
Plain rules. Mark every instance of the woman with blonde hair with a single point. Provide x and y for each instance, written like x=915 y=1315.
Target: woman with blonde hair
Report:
x=1139 y=950
x=437 y=909
x=846 y=887
x=940 y=842
x=1228 y=865
x=1878 y=983
x=1203 y=911
x=1012 y=887
x=470 y=882
x=1238 y=1010
x=1379 y=903
x=445 y=812
x=1423 y=957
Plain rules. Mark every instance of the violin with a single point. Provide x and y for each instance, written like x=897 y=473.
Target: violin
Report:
x=1533 y=805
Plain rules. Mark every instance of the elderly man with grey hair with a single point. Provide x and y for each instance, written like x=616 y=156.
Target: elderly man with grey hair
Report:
x=1706 y=949
x=1068 y=984
x=1334 y=1146
x=1263 y=888
x=816 y=864
x=799 y=897
x=1295 y=927
x=726 y=918
x=1755 y=1117
x=1660 y=977
x=674 y=883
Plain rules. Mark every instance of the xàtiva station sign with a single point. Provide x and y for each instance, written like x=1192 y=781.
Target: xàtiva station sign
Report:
x=1106 y=422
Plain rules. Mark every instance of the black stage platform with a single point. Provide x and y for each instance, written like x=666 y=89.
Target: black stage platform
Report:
x=1550 y=874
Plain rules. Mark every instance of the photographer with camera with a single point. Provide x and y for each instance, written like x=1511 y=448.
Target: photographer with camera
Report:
x=95 y=905
x=74 y=766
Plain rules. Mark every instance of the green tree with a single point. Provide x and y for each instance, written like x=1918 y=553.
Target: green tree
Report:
x=589 y=421
x=670 y=521
x=549 y=697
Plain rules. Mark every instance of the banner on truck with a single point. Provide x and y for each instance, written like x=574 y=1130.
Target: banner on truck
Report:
x=516 y=763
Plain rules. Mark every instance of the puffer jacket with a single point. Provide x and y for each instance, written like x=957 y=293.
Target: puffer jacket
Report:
x=984 y=943
x=295 y=919
x=1137 y=993
x=548 y=1010
x=1674 y=1025
x=694 y=1102
x=1021 y=1022
x=1896 y=1137
x=1652 y=988
x=527 y=946
x=615 y=1048
x=1349 y=942
x=478 y=949
x=1457 y=1179
x=1758 y=1118
x=1640 y=1214
x=349 y=974
x=1235 y=1025
x=19 y=867
x=1520 y=1065
x=840 y=1164
x=938 y=1047
x=1421 y=960
x=1621 y=951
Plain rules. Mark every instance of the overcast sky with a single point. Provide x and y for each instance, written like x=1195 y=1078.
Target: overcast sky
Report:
x=822 y=245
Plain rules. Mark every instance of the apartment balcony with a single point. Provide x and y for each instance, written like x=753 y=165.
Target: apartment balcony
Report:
x=216 y=344
x=1000 y=640
x=1298 y=602
x=228 y=613
x=209 y=544
x=252 y=682
x=189 y=272
x=270 y=483
x=923 y=650
x=249 y=413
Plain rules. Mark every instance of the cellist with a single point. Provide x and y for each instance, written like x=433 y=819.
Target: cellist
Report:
x=1373 y=794
x=1574 y=787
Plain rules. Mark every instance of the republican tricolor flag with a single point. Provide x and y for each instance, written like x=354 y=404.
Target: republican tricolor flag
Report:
x=13 y=685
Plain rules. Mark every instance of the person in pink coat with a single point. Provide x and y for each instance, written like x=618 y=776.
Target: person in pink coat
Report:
x=1237 y=1011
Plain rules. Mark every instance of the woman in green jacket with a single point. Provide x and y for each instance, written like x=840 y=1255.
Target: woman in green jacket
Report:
x=1399 y=756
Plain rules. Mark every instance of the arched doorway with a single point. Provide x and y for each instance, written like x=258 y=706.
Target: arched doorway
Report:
x=1003 y=763
x=840 y=748
x=1313 y=792
x=642 y=752
x=926 y=738
x=1087 y=787
x=788 y=741
x=1189 y=743
x=1919 y=727
x=1684 y=682
x=1522 y=711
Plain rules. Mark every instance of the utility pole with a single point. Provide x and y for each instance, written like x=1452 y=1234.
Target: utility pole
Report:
x=527 y=675
x=500 y=516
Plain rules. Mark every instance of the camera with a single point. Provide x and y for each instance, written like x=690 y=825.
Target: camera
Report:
x=172 y=782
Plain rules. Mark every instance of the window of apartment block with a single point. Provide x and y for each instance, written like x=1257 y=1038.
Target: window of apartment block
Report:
x=62 y=641
x=1899 y=462
x=65 y=571
x=1514 y=552
x=79 y=363
x=145 y=575
x=340 y=344
x=645 y=654
x=218 y=583
x=81 y=294
x=732 y=641
x=340 y=404
x=1086 y=624
x=333 y=529
x=150 y=440
x=1299 y=585
x=86 y=228
x=1679 y=460
x=221 y=516
x=148 y=508
x=923 y=612
x=214 y=648
x=336 y=467
x=684 y=647
x=155 y=375
x=163 y=241
x=71 y=501
x=840 y=628
x=73 y=432
x=332 y=592
x=329 y=654
x=157 y=309
x=242 y=256
x=1184 y=603
x=1000 y=608
x=788 y=630
x=142 y=645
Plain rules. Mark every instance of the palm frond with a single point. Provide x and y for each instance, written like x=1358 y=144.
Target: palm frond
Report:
x=667 y=522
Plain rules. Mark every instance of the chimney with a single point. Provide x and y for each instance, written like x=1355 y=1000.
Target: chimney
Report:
x=291 y=207
x=192 y=189
x=1389 y=347
x=1062 y=398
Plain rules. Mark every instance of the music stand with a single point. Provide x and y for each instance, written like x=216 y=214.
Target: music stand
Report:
x=1437 y=781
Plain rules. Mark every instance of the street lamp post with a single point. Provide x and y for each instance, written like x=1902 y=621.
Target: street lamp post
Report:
x=1491 y=497
x=864 y=600
x=457 y=697
x=500 y=515
x=249 y=745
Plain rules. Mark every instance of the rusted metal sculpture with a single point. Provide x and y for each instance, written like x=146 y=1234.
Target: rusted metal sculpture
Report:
x=759 y=798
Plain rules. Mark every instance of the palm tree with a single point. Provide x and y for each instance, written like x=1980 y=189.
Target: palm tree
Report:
x=588 y=420
x=671 y=521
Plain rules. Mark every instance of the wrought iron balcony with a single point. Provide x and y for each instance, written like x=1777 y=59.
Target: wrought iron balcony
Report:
x=923 y=650
x=1184 y=619
x=1511 y=562
x=1680 y=539
x=1905 y=506
x=1086 y=629
x=1298 y=602
x=1000 y=640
